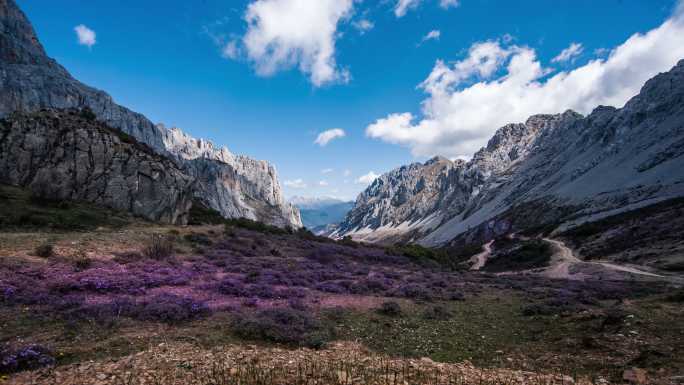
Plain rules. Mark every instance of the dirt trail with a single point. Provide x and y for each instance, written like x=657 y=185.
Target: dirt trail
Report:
x=563 y=258
x=481 y=258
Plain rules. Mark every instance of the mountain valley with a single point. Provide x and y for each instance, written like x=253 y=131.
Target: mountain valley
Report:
x=132 y=253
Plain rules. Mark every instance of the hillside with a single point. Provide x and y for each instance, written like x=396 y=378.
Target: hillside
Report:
x=553 y=171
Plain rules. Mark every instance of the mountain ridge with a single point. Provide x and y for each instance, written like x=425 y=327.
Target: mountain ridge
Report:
x=552 y=169
x=235 y=186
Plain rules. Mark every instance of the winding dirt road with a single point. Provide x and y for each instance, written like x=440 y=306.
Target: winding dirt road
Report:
x=481 y=258
x=563 y=258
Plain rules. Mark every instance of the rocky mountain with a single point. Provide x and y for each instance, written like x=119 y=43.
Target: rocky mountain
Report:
x=553 y=170
x=236 y=186
x=67 y=155
x=321 y=212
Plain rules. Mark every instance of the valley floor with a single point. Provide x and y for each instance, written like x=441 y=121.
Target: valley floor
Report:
x=134 y=303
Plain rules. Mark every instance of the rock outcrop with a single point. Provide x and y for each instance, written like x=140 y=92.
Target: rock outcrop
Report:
x=67 y=155
x=236 y=186
x=553 y=170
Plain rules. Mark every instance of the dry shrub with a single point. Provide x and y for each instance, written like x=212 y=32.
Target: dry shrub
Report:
x=159 y=248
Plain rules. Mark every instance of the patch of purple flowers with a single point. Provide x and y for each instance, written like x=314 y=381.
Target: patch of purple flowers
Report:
x=26 y=358
x=239 y=269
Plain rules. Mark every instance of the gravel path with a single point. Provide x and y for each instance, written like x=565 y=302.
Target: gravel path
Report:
x=563 y=258
x=481 y=258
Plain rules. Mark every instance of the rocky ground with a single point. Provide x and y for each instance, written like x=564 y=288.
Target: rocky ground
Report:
x=340 y=363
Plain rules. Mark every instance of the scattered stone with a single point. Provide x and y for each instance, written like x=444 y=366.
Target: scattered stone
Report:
x=635 y=376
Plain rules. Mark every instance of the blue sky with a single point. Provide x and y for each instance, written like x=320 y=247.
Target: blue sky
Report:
x=164 y=59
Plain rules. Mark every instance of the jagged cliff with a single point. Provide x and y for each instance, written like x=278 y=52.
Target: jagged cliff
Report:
x=236 y=186
x=557 y=170
x=67 y=155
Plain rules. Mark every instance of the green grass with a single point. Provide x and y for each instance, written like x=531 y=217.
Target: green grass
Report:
x=458 y=338
x=449 y=258
x=489 y=330
x=530 y=255
x=19 y=210
x=552 y=343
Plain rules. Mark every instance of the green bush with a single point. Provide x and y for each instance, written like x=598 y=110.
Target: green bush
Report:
x=45 y=250
x=677 y=296
x=532 y=254
x=202 y=215
x=88 y=114
x=391 y=309
x=424 y=256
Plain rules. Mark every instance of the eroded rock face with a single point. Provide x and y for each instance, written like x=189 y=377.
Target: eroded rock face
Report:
x=30 y=81
x=234 y=185
x=555 y=170
x=63 y=155
x=420 y=197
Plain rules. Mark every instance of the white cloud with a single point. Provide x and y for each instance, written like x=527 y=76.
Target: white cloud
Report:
x=363 y=25
x=282 y=34
x=432 y=35
x=403 y=6
x=498 y=84
x=85 y=35
x=569 y=54
x=446 y=4
x=368 y=178
x=347 y=172
x=323 y=183
x=326 y=136
x=296 y=183
x=230 y=50
x=601 y=52
x=327 y=171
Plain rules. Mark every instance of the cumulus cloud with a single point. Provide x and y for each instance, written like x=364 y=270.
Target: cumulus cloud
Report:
x=326 y=136
x=569 y=54
x=403 y=6
x=295 y=183
x=346 y=172
x=327 y=171
x=85 y=35
x=432 y=35
x=323 y=183
x=368 y=178
x=498 y=83
x=282 y=34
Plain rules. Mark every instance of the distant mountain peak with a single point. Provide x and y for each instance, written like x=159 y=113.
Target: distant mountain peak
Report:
x=555 y=166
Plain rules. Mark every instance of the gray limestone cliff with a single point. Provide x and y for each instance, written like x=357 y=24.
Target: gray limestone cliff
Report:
x=67 y=155
x=236 y=186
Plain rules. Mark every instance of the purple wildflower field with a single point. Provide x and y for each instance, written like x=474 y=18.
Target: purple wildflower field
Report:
x=250 y=270
x=280 y=288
